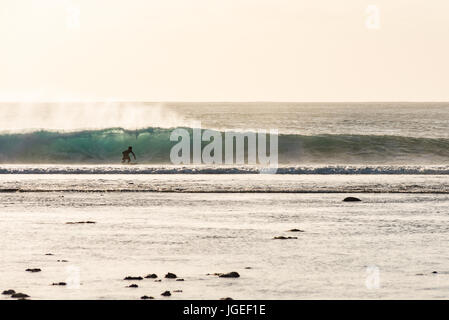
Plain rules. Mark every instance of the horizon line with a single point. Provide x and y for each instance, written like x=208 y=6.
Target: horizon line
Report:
x=225 y=101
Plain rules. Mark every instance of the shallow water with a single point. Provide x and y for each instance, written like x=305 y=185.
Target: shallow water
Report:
x=191 y=234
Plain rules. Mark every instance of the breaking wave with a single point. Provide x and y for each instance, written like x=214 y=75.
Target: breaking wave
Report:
x=152 y=146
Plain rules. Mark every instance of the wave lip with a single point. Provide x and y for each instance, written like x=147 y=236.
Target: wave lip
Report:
x=201 y=169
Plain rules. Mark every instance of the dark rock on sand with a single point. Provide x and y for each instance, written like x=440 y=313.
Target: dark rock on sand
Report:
x=151 y=276
x=59 y=284
x=434 y=272
x=133 y=278
x=295 y=230
x=180 y=279
x=284 y=238
x=80 y=222
x=171 y=275
x=61 y=260
x=351 y=199
x=177 y=290
x=8 y=292
x=34 y=270
x=133 y=286
x=49 y=254
x=158 y=280
x=166 y=294
x=232 y=274
x=214 y=274
x=146 y=298
x=227 y=298
x=19 y=295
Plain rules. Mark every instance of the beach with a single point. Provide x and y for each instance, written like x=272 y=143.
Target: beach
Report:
x=385 y=247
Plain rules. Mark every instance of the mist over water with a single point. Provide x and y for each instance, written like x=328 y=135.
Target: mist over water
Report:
x=27 y=117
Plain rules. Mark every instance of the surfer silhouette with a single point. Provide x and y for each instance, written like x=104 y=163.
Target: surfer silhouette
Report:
x=126 y=155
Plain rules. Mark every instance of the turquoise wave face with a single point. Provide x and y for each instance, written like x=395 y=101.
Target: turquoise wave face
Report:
x=153 y=145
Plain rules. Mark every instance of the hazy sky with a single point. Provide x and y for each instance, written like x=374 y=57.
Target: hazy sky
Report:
x=224 y=50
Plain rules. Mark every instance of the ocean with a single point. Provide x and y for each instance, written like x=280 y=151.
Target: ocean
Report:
x=60 y=164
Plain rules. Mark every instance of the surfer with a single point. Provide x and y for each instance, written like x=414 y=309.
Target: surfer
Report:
x=126 y=155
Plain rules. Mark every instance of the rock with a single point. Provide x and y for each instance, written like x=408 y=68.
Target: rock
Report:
x=177 y=290
x=166 y=294
x=34 y=270
x=434 y=272
x=158 y=280
x=151 y=276
x=9 y=292
x=61 y=260
x=232 y=274
x=295 y=230
x=49 y=254
x=214 y=274
x=227 y=298
x=133 y=278
x=351 y=199
x=80 y=222
x=284 y=238
x=133 y=286
x=19 y=295
x=180 y=279
x=146 y=297
x=170 y=275
x=59 y=284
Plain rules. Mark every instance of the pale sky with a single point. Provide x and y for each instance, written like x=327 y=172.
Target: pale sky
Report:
x=224 y=50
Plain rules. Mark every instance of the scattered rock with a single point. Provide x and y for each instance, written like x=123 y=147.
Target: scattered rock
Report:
x=80 y=222
x=214 y=274
x=9 y=292
x=133 y=278
x=170 y=275
x=351 y=199
x=49 y=254
x=61 y=260
x=295 y=230
x=19 y=295
x=227 y=298
x=158 y=280
x=180 y=279
x=284 y=238
x=133 y=286
x=166 y=294
x=34 y=270
x=248 y=268
x=232 y=274
x=146 y=298
x=177 y=290
x=434 y=272
x=59 y=284
x=151 y=276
